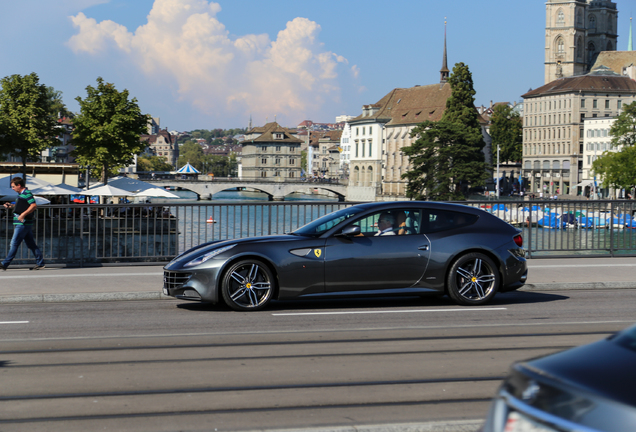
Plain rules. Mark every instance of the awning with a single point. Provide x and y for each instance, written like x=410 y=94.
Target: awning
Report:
x=585 y=183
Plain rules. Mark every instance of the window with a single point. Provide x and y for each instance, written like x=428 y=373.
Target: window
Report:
x=292 y=161
x=292 y=149
x=606 y=103
x=357 y=144
x=264 y=149
x=362 y=149
x=264 y=161
x=370 y=130
x=594 y=104
x=292 y=174
x=277 y=162
x=582 y=103
x=619 y=104
x=363 y=131
x=560 y=47
x=263 y=173
x=560 y=18
x=369 y=148
x=277 y=149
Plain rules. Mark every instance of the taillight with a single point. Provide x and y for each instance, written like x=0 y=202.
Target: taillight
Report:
x=518 y=240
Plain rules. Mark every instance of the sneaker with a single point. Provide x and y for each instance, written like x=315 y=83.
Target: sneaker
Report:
x=3 y=267
x=38 y=267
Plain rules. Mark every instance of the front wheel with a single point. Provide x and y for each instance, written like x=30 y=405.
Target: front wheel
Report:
x=473 y=279
x=248 y=286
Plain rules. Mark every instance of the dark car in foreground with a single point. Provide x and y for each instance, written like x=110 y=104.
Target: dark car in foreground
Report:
x=591 y=388
x=382 y=249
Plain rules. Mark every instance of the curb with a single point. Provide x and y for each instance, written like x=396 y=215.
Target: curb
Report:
x=447 y=426
x=578 y=286
x=84 y=297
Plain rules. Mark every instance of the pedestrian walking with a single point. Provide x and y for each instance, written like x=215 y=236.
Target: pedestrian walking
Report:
x=23 y=217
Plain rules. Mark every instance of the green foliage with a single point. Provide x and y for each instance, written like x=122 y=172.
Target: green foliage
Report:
x=623 y=130
x=447 y=157
x=57 y=106
x=191 y=152
x=444 y=157
x=107 y=130
x=153 y=163
x=506 y=131
x=617 y=168
x=26 y=124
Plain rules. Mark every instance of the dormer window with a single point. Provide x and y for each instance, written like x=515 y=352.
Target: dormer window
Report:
x=279 y=136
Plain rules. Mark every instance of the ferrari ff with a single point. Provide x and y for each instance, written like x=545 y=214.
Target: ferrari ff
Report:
x=376 y=249
x=585 y=389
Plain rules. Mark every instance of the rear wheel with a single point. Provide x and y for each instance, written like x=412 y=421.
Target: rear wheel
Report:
x=473 y=279
x=248 y=285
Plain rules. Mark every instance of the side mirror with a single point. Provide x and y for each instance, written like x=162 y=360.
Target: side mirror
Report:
x=350 y=231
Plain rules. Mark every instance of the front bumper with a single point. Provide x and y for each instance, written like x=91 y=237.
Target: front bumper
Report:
x=195 y=285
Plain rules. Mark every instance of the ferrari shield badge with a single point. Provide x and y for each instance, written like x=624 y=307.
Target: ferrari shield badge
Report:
x=317 y=252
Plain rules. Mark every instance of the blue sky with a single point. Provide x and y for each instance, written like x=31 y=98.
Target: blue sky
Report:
x=198 y=64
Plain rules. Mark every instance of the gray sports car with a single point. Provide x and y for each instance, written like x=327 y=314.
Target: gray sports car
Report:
x=585 y=389
x=399 y=248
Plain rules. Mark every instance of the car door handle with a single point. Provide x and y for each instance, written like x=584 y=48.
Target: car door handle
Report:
x=423 y=247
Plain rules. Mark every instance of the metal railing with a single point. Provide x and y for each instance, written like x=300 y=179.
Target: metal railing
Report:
x=109 y=233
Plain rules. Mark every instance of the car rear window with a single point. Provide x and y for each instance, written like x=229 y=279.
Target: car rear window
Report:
x=442 y=220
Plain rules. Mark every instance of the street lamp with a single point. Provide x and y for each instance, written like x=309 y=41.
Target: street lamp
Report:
x=497 y=171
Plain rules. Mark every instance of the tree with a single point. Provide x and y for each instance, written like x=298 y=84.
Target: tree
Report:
x=617 y=168
x=153 y=163
x=447 y=157
x=191 y=152
x=57 y=106
x=26 y=124
x=506 y=132
x=107 y=130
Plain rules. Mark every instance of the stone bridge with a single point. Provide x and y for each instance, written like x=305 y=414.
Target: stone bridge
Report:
x=275 y=190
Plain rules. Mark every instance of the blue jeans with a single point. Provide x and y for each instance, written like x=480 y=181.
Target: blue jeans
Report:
x=23 y=232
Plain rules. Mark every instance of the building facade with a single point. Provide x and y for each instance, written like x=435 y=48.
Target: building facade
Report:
x=576 y=32
x=554 y=126
x=271 y=152
x=597 y=140
x=162 y=144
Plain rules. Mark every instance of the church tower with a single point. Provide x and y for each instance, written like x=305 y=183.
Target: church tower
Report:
x=575 y=32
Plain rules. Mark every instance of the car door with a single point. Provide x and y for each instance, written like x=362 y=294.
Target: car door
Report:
x=375 y=262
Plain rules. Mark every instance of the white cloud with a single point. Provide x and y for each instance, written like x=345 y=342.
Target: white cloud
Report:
x=184 y=46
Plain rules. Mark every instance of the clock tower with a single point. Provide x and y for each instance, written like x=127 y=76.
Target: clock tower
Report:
x=575 y=32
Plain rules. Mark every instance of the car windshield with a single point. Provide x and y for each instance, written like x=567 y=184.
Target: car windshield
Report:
x=627 y=338
x=326 y=222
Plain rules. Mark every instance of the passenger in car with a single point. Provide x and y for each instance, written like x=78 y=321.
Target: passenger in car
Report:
x=386 y=224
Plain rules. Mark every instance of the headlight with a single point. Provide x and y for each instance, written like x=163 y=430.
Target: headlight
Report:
x=203 y=258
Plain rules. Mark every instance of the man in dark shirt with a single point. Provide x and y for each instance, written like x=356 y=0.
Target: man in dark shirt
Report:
x=23 y=216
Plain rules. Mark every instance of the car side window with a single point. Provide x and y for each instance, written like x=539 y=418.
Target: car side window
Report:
x=391 y=222
x=442 y=220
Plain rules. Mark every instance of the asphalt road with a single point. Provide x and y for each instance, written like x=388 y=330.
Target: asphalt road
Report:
x=334 y=365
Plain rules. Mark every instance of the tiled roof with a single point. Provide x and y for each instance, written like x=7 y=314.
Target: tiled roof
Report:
x=615 y=60
x=411 y=105
x=270 y=129
x=596 y=81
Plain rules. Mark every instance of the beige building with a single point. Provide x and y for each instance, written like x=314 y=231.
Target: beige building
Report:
x=326 y=157
x=576 y=32
x=163 y=144
x=553 y=126
x=271 y=151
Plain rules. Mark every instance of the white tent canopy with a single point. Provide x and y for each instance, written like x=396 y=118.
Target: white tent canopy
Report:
x=55 y=190
x=106 y=190
x=188 y=169
x=155 y=192
x=585 y=183
x=31 y=182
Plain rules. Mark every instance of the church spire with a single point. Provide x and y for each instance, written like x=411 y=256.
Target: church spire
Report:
x=629 y=42
x=443 y=73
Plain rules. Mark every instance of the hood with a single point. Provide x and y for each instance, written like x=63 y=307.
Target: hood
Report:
x=604 y=368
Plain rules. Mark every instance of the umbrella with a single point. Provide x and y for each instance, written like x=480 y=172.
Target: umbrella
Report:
x=31 y=182
x=106 y=190
x=156 y=192
x=41 y=200
x=55 y=190
x=188 y=169
x=130 y=184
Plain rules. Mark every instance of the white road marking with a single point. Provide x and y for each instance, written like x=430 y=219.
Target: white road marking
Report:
x=14 y=322
x=389 y=311
x=530 y=265
x=38 y=274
